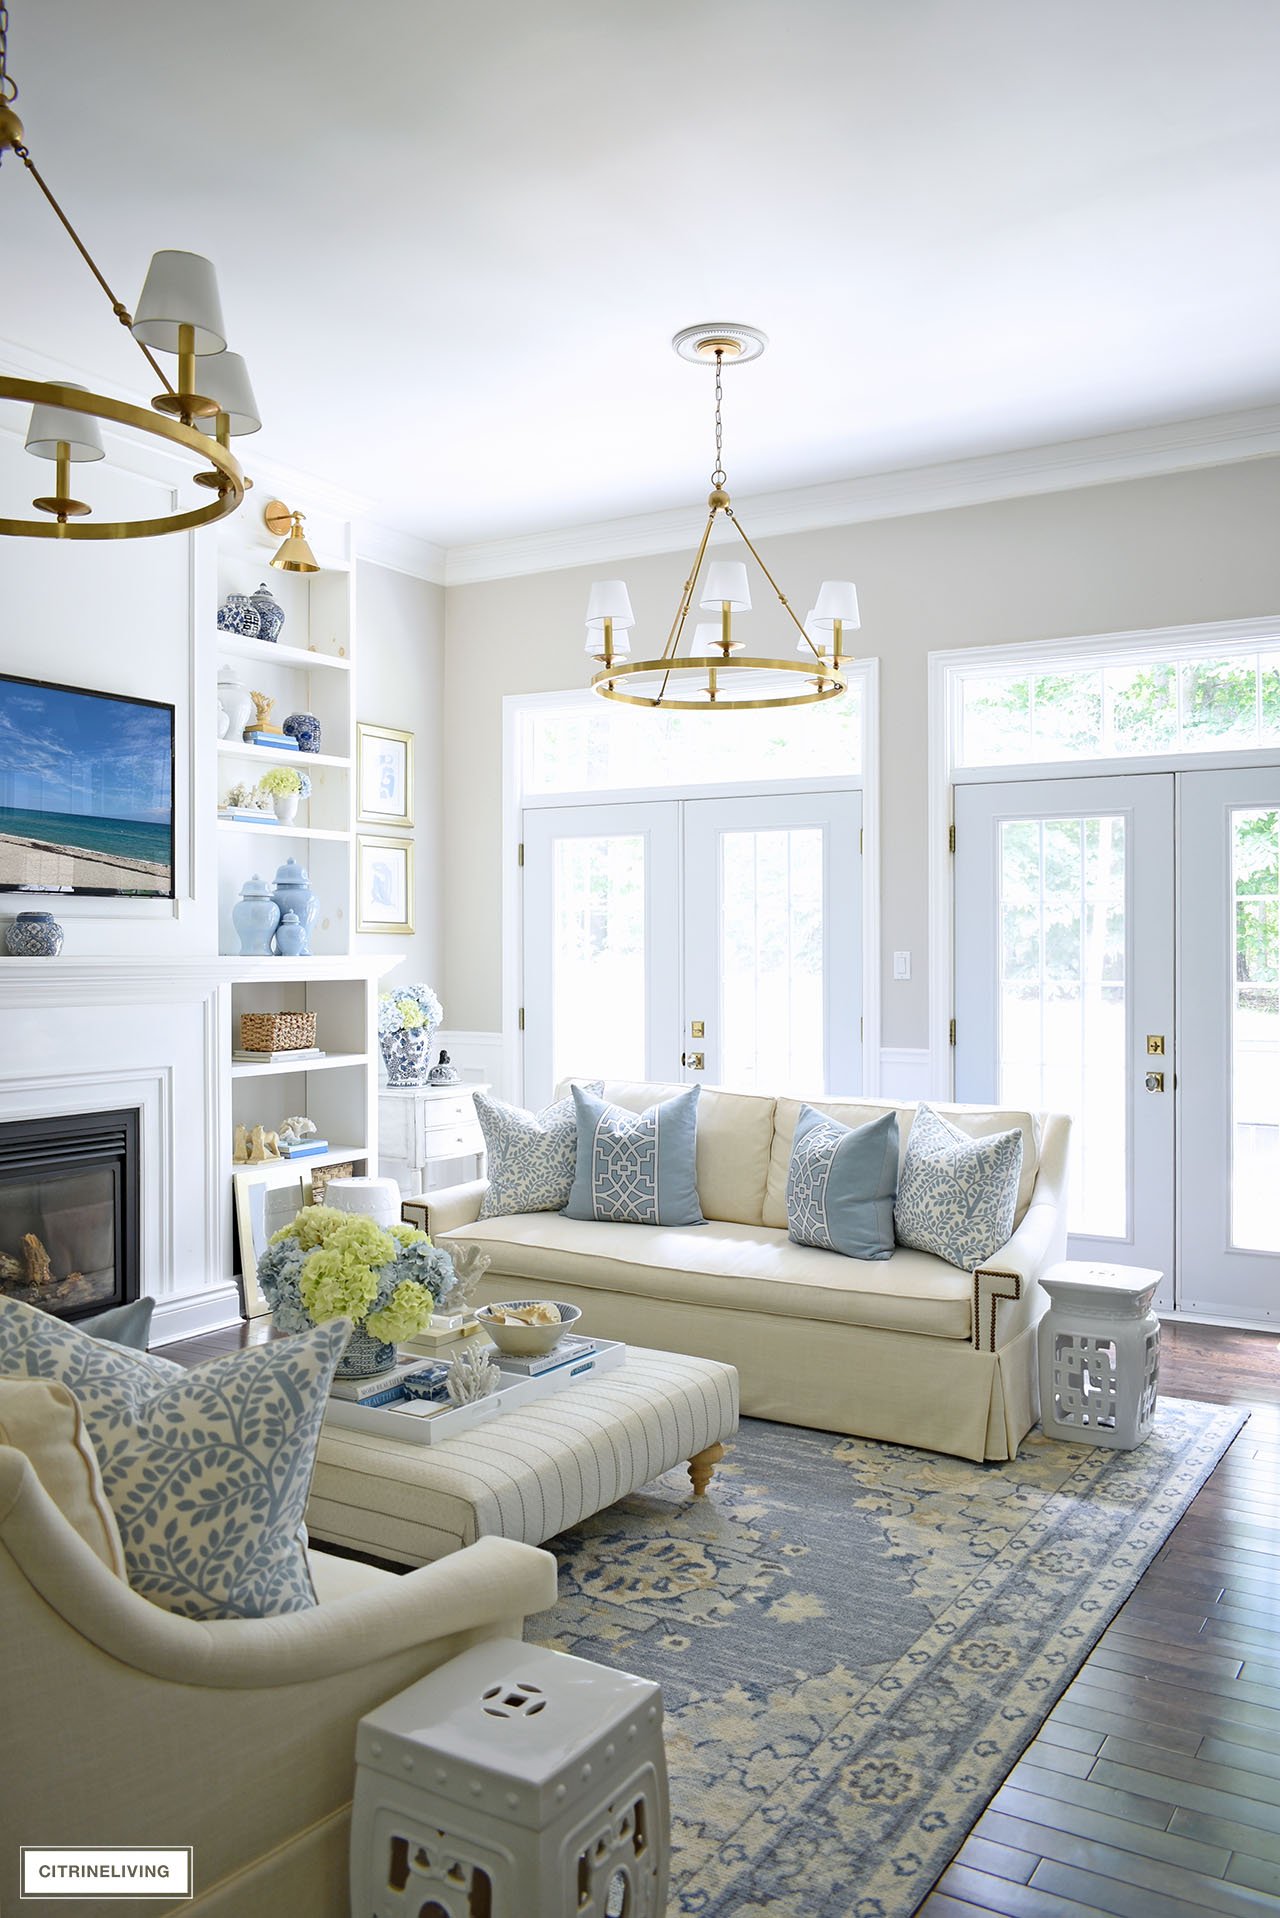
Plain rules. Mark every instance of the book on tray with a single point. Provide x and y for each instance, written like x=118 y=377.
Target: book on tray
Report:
x=565 y=1351
x=372 y=1390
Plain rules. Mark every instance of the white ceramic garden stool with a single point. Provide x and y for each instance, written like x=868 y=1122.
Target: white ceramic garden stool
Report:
x=1099 y=1350
x=516 y=1782
x=377 y=1199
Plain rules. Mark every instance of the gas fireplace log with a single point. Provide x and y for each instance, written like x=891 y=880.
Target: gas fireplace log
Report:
x=36 y=1259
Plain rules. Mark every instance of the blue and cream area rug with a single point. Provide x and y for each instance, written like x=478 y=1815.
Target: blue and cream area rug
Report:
x=856 y=1641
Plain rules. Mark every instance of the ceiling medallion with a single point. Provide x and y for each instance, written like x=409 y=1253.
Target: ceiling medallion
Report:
x=178 y=312
x=715 y=674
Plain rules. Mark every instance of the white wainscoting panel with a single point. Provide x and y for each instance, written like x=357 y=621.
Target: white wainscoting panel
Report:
x=905 y=1072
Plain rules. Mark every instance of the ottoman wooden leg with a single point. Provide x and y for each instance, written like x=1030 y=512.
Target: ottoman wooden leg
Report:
x=702 y=1465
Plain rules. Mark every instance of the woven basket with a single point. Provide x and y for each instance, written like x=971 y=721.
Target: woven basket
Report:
x=277 y=1031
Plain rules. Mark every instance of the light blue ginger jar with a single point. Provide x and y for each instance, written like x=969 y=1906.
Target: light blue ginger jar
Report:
x=305 y=728
x=34 y=935
x=255 y=917
x=293 y=894
x=291 y=936
x=270 y=613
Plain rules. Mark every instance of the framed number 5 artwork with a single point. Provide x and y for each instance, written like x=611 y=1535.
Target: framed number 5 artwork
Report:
x=384 y=885
x=384 y=775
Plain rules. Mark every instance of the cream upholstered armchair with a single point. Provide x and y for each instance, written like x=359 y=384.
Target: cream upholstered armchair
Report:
x=122 y=1724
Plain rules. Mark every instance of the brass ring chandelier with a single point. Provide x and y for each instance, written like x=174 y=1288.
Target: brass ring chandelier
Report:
x=717 y=675
x=179 y=312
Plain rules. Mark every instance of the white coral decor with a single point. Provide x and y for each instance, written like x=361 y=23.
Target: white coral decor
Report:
x=473 y=1375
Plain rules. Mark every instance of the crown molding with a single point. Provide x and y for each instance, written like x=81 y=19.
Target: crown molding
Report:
x=399 y=551
x=1140 y=453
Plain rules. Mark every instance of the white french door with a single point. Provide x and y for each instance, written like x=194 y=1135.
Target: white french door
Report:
x=714 y=939
x=1118 y=957
x=1064 y=978
x=1229 y=1050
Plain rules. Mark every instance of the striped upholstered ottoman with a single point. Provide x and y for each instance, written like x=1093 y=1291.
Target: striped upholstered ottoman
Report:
x=530 y=1474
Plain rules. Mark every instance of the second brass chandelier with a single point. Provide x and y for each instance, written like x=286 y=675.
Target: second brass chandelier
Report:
x=717 y=674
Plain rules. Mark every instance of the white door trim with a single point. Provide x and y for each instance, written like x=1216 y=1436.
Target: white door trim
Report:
x=947 y=668
x=515 y=801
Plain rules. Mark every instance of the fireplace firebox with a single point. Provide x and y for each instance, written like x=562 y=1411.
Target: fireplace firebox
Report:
x=69 y=1226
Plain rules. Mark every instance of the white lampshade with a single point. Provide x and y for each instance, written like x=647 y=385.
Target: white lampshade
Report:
x=78 y=431
x=224 y=378
x=595 y=640
x=820 y=639
x=609 y=599
x=706 y=634
x=837 y=600
x=181 y=289
x=726 y=580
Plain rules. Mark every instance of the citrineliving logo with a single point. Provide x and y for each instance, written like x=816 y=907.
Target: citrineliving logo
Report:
x=106 y=1871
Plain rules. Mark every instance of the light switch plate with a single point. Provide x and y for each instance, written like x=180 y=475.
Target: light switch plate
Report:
x=902 y=965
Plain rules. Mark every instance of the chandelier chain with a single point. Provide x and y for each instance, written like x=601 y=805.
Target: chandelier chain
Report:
x=719 y=476
x=8 y=87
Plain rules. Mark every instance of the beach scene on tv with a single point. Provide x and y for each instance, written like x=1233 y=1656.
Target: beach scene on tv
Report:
x=86 y=792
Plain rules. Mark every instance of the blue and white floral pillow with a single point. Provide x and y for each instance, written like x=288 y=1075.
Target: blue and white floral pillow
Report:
x=636 y=1168
x=531 y=1154
x=207 y=1470
x=957 y=1195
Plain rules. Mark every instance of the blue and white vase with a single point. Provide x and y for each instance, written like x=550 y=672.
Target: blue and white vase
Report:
x=364 y=1355
x=270 y=613
x=34 y=935
x=255 y=917
x=407 y=1056
x=293 y=894
x=305 y=728
x=238 y=615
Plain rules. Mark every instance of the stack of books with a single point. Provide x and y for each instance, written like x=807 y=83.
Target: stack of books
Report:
x=270 y=736
x=569 y=1350
x=386 y=1388
x=303 y=1148
x=247 y=815
x=243 y=1058
x=446 y=1328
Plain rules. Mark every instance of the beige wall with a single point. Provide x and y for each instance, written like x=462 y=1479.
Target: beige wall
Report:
x=400 y=621
x=1145 y=553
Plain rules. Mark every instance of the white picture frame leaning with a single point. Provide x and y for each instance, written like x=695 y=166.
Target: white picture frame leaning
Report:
x=266 y=1197
x=384 y=884
x=384 y=775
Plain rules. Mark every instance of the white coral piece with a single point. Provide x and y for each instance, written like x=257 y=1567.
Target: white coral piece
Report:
x=472 y=1375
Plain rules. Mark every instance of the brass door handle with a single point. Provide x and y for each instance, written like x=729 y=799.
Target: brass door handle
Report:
x=696 y=1061
x=1155 y=1082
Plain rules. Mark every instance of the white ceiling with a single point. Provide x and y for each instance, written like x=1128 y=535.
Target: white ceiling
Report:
x=454 y=239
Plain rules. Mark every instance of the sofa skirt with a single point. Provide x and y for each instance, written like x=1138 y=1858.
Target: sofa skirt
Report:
x=905 y=1388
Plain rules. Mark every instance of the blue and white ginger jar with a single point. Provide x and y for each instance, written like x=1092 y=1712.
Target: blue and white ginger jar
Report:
x=407 y=1056
x=270 y=613
x=305 y=728
x=34 y=935
x=238 y=614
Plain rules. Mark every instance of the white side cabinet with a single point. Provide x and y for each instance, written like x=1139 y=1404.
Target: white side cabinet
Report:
x=429 y=1136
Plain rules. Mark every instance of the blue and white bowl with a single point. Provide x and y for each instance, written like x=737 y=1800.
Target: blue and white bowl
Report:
x=527 y=1341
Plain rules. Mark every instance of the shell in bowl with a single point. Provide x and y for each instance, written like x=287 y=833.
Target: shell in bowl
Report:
x=522 y=1341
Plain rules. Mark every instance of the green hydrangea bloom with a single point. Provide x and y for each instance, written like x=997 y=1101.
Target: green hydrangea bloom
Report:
x=336 y=1285
x=406 y=1312
x=312 y=1226
x=406 y=1235
x=359 y=1238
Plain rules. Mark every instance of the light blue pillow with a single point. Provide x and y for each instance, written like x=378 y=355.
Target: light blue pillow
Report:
x=530 y=1155
x=123 y=1324
x=841 y=1184
x=208 y=1470
x=957 y=1195
x=636 y=1168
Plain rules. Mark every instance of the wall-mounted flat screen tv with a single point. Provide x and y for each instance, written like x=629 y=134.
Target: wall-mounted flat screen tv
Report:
x=86 y=791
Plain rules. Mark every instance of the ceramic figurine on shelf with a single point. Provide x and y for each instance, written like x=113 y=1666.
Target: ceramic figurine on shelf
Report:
x=443 y=1072
x=237 y=614
x=263 y=1146
x=270 y=613
x=305 y=728
x=293 y=894
x=34 y=935
x=297 y=1130
x=472 y=1375
x=291 y=938
x=240 y=1146
x=255 y=917
x=235 y=702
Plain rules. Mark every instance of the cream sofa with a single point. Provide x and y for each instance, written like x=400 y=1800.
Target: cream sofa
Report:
x=125 y=1725
x=908 y=1349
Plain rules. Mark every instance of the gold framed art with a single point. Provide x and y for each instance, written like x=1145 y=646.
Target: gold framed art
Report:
x=384 y=884
x=384 y=775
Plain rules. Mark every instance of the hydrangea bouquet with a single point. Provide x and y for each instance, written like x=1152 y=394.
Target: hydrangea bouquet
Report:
x=328 y=1264
x=406 y=1017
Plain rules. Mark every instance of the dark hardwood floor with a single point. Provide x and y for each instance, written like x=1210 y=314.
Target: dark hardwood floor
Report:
x=1153 y=1789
